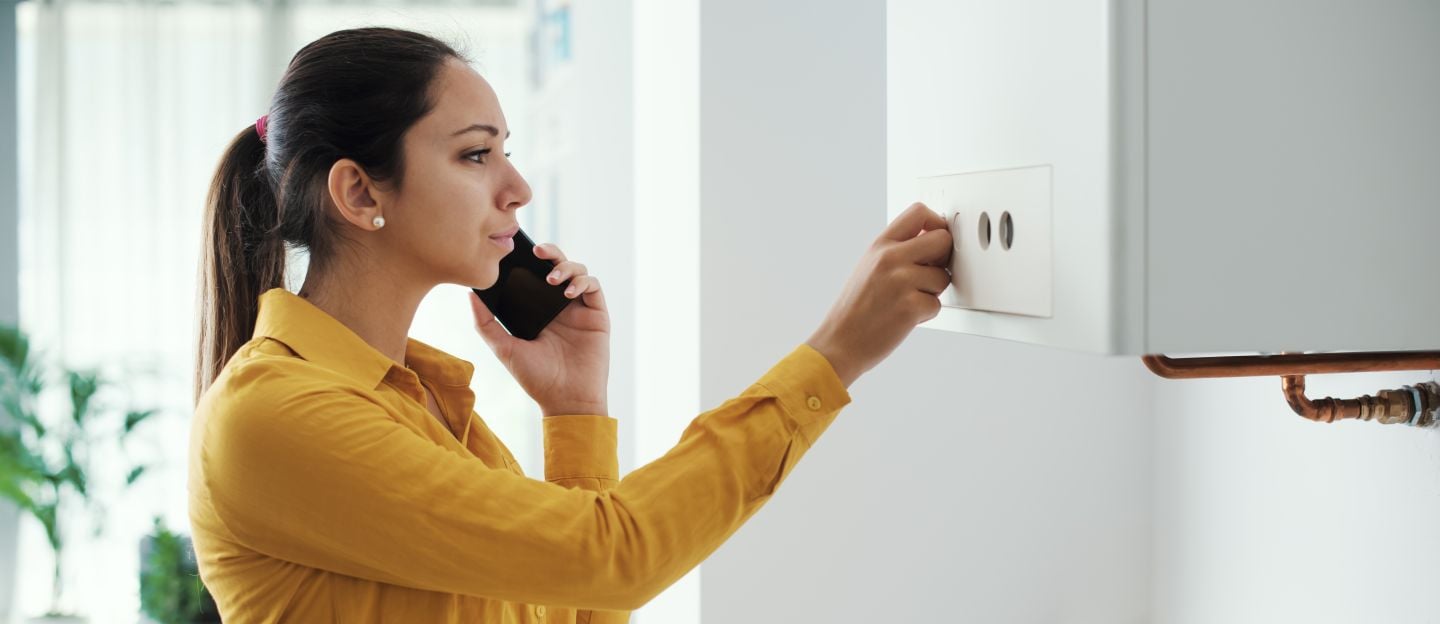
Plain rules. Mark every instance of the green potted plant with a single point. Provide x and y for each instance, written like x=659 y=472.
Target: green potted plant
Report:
x=170 y=588
x=45 y=460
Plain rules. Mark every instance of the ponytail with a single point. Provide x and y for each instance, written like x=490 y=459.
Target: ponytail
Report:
x=242 y=254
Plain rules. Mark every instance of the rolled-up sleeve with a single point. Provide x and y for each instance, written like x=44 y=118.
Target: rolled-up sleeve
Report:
x=580 y=451
x=326 y=478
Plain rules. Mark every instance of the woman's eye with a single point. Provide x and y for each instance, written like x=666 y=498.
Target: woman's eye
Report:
x=482 y=153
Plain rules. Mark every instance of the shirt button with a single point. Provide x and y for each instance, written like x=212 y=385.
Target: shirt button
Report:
x=813 y=402
x=540 y=610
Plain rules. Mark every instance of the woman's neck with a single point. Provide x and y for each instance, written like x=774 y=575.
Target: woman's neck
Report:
x=379 y=307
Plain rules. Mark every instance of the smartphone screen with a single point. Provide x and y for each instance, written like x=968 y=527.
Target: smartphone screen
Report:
x=521 y=299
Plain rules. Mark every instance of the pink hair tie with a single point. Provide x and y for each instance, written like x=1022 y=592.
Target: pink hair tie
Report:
x=260 y=126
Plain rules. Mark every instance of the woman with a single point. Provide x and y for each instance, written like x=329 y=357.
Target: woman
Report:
x=337 y=470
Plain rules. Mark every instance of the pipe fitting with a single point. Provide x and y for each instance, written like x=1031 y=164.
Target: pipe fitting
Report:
x=1417 y=406
x=1426 y=398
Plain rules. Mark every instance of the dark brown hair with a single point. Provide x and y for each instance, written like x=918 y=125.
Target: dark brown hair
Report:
x=350 y=94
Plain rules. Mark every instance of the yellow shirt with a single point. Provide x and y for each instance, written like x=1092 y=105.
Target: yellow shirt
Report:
x=323 y=490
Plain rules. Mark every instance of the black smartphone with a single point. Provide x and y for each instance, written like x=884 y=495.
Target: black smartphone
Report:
x=521 y=299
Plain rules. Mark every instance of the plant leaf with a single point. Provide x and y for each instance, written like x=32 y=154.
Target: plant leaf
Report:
x=15 y=476
x=136 y=417
x=45 y=513
x=33 y=381
x=72 y=473
x=14 y=494
x=134 y=474
x=83 y=385
x=16 y=410
x=20 y=383
x=14 y=347
x=17 y=460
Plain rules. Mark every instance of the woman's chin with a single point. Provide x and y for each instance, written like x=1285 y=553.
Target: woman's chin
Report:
x=486 y=280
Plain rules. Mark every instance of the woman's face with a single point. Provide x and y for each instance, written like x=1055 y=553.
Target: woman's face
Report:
x=461 y=192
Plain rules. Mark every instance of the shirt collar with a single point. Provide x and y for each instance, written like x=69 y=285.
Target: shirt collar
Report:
x=320 y=338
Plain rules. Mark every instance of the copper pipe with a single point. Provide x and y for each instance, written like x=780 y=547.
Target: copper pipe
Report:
x=1417 y=405
x=1291 y=364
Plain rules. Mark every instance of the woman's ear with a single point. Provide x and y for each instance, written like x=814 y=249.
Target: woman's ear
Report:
x=354 y=194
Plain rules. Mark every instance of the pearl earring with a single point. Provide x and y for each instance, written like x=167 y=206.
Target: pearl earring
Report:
x=378 y=222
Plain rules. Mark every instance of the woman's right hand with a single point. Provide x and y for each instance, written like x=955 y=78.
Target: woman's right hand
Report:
x=895 y=287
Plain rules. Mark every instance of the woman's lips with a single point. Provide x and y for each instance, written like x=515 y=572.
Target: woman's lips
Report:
x=507 y=242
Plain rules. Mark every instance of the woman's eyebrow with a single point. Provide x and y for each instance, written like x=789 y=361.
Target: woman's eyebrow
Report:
x=485 y=127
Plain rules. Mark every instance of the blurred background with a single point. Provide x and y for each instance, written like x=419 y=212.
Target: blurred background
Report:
x=123 y=109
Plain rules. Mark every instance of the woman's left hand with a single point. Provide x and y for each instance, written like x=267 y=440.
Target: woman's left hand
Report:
x=567 y=367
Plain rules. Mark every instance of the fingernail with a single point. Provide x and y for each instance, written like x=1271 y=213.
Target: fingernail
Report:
x=554 y=277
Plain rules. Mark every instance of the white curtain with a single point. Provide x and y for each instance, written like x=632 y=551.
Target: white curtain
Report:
x=125 y=107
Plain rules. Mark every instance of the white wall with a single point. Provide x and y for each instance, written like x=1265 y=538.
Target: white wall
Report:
x=1262 y=516
x=667 y=255
x=971 y=479
x=598 y=218
x=981 y=480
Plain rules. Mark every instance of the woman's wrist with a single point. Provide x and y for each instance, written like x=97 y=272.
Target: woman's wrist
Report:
x=844 y=369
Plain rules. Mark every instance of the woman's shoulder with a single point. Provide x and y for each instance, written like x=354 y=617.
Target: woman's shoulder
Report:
x=265 y=373
x=265 y=360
